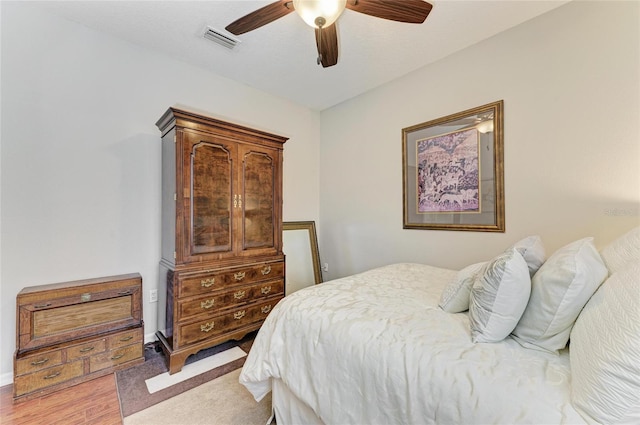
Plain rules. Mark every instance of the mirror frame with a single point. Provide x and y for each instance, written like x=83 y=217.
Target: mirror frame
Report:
x=310 y=226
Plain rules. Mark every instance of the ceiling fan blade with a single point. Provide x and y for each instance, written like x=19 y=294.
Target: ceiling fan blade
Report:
x=327 y=43
x=410 y=11
x=260 y=17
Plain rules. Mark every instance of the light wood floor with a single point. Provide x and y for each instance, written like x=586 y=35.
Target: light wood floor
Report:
x=92 y=402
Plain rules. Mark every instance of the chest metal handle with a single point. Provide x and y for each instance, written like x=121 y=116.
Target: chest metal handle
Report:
x=207 y=326
x=53 y=375
x=207 y=303
x=206 y=283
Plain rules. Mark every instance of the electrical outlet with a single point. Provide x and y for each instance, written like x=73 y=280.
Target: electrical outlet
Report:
x=153 y=295
x=325 y=267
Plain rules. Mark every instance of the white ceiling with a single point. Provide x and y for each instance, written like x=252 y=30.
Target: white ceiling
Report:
x=280 y=58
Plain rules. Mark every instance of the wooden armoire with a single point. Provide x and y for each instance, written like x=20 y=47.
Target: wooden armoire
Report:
x=222 y=267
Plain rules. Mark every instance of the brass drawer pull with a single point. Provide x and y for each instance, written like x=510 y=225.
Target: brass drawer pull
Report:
x=86 y=349
x=235 y=201
x=266 y=270
x=53 y=375
x=239 y=275
x=39 y=362
x=126 y=338
x=117 y=357
x=207 y=326
x=239 y=295
x=206 y=283
x=266 y=309
x=239 y=314
x=42 y=305
x=265 y=290
x=207 y=304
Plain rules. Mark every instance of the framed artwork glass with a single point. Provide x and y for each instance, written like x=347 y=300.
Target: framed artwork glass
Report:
x=453 y=172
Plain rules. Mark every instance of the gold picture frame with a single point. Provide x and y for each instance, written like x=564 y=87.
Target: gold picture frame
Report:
x=453 y=171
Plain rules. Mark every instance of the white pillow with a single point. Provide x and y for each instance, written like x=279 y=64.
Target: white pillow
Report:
x=532 y=251
x=455 y=297
x=622 y=251
x=605 y=351
x=498 y=297
x=559 y=290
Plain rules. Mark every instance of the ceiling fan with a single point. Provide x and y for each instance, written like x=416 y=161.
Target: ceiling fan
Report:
x=322 y=15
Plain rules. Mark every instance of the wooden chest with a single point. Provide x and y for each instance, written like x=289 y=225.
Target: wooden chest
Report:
x=71 y=332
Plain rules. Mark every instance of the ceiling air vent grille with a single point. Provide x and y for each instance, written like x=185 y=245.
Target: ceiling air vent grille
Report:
x=220 y=38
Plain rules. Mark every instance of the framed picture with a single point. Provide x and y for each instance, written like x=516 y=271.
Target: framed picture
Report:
x=453 y=172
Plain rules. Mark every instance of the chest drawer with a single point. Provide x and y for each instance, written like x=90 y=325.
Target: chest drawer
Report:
x=38 y=362
x=115 y=357
x=205 y=282
x=125 y=338
x=233 y=319
x=86 y=349
x=47 y=377
x=228 y=299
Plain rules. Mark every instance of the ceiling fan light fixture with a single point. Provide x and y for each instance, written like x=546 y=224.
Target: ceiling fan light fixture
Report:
x=319 y=13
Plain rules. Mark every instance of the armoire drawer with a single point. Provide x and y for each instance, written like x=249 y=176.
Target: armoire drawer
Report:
x=233 y=319
x=228 y=299
x=209 y=281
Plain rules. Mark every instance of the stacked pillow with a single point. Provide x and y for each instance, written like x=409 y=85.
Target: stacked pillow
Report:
x=456 y=296
x=559 y=290
x=498 y=297
x=605 y=340
x=521 y=294
x=543 y=303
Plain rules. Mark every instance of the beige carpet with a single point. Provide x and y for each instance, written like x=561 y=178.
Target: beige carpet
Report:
x=222 y=401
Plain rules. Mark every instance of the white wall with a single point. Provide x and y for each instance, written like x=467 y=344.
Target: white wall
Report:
x=571 y=89
x=81 y=154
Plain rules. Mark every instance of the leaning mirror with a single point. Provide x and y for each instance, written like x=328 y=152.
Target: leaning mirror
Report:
x=300 y=245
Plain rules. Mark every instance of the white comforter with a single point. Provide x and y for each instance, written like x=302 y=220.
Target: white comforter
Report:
x=374 y=348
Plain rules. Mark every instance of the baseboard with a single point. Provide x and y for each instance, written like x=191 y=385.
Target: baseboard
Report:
x=150 y=338
x=6 y=379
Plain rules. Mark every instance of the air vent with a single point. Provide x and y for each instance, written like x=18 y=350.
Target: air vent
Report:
x=220 y=38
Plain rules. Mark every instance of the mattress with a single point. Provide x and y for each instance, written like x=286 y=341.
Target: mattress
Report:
x=375 y=348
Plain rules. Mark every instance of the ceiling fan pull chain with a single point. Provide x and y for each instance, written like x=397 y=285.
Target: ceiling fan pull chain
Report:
x=320 y=21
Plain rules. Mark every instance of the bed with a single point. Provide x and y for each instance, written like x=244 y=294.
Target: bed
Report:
x=379 y=347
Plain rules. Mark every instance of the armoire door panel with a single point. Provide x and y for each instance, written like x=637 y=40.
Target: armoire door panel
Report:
x=208 y=194
x=259 y=181
x=211 y=179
